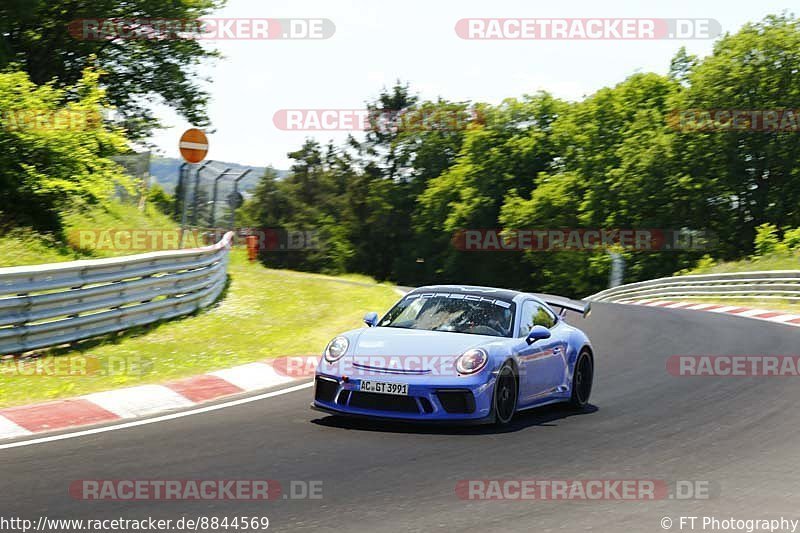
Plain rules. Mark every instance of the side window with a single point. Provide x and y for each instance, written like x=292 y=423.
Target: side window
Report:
x=535 y=314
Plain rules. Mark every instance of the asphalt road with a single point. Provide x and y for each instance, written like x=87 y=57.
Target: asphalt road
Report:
x=741 y=435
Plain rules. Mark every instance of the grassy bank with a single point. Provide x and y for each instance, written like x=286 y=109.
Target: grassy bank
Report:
x=22 y=246
x=265 y=313
x=783 y=261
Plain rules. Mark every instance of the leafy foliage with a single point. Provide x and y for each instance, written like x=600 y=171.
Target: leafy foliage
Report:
x=389 y=206
x=162 y=201
x=50 y=161
x=35 y=34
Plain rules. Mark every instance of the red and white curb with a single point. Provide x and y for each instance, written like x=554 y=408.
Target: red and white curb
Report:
x=737 y=310
x=135 y=402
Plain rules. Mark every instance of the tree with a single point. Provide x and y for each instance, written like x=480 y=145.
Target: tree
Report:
x=749 y=177
x=162 y=201
x=35 y=34
x=505 y=151
x=55 y=155
x=390 y=205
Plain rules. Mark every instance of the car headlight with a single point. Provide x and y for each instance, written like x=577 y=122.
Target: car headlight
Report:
x=336 y=349
x=472 y=361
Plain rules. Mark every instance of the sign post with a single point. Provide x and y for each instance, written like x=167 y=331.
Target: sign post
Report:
x=193 y=146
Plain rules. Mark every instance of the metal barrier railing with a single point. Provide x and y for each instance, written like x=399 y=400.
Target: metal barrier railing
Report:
x=48 y=305
x=767 y=285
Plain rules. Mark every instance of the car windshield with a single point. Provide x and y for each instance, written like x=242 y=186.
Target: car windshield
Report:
x=457 y=313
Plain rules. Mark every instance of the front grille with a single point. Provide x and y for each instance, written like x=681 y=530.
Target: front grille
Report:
x=325 y=389
x=383 y=402
x=343 y=397
x=427 y=406
x=457 y=401
x=384 y=370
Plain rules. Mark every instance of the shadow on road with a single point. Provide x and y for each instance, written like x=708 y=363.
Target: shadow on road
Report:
x=543 y=416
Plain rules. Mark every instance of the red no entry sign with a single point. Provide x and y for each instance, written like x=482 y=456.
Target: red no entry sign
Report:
x=193 y=145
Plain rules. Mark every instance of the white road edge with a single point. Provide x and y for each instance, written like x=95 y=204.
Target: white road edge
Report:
x=162 y=418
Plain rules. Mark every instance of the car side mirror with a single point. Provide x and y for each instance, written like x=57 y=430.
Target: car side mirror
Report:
x=371 y=319
x=537 y=333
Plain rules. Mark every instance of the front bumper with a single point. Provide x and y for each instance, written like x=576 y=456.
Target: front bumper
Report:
x=376 y=418
x=461 y=400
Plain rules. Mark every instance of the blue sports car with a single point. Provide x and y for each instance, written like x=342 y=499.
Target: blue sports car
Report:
x=449 y=353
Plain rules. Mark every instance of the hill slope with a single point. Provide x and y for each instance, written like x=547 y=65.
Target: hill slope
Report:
x=165 y=171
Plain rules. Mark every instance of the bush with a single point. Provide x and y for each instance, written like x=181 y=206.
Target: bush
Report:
x=159 y=198
x=767 y=241
x=791 y=239
x=54 y=149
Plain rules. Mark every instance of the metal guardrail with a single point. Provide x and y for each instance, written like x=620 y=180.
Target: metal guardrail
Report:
x=775 y=285
x=48 y=305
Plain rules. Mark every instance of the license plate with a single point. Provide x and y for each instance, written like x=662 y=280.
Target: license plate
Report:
x=382 y=387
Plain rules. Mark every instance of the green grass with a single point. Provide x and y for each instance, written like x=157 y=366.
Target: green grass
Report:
x=25 y=247
x=114 y=216
x=784 y=261
x=787 y=261
x=265 y=313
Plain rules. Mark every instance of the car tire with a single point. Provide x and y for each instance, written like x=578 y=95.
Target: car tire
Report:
x=506 y=393
x=582 y=379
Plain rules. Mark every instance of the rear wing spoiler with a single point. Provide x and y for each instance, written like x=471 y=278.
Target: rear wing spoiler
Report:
x=565 y=304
